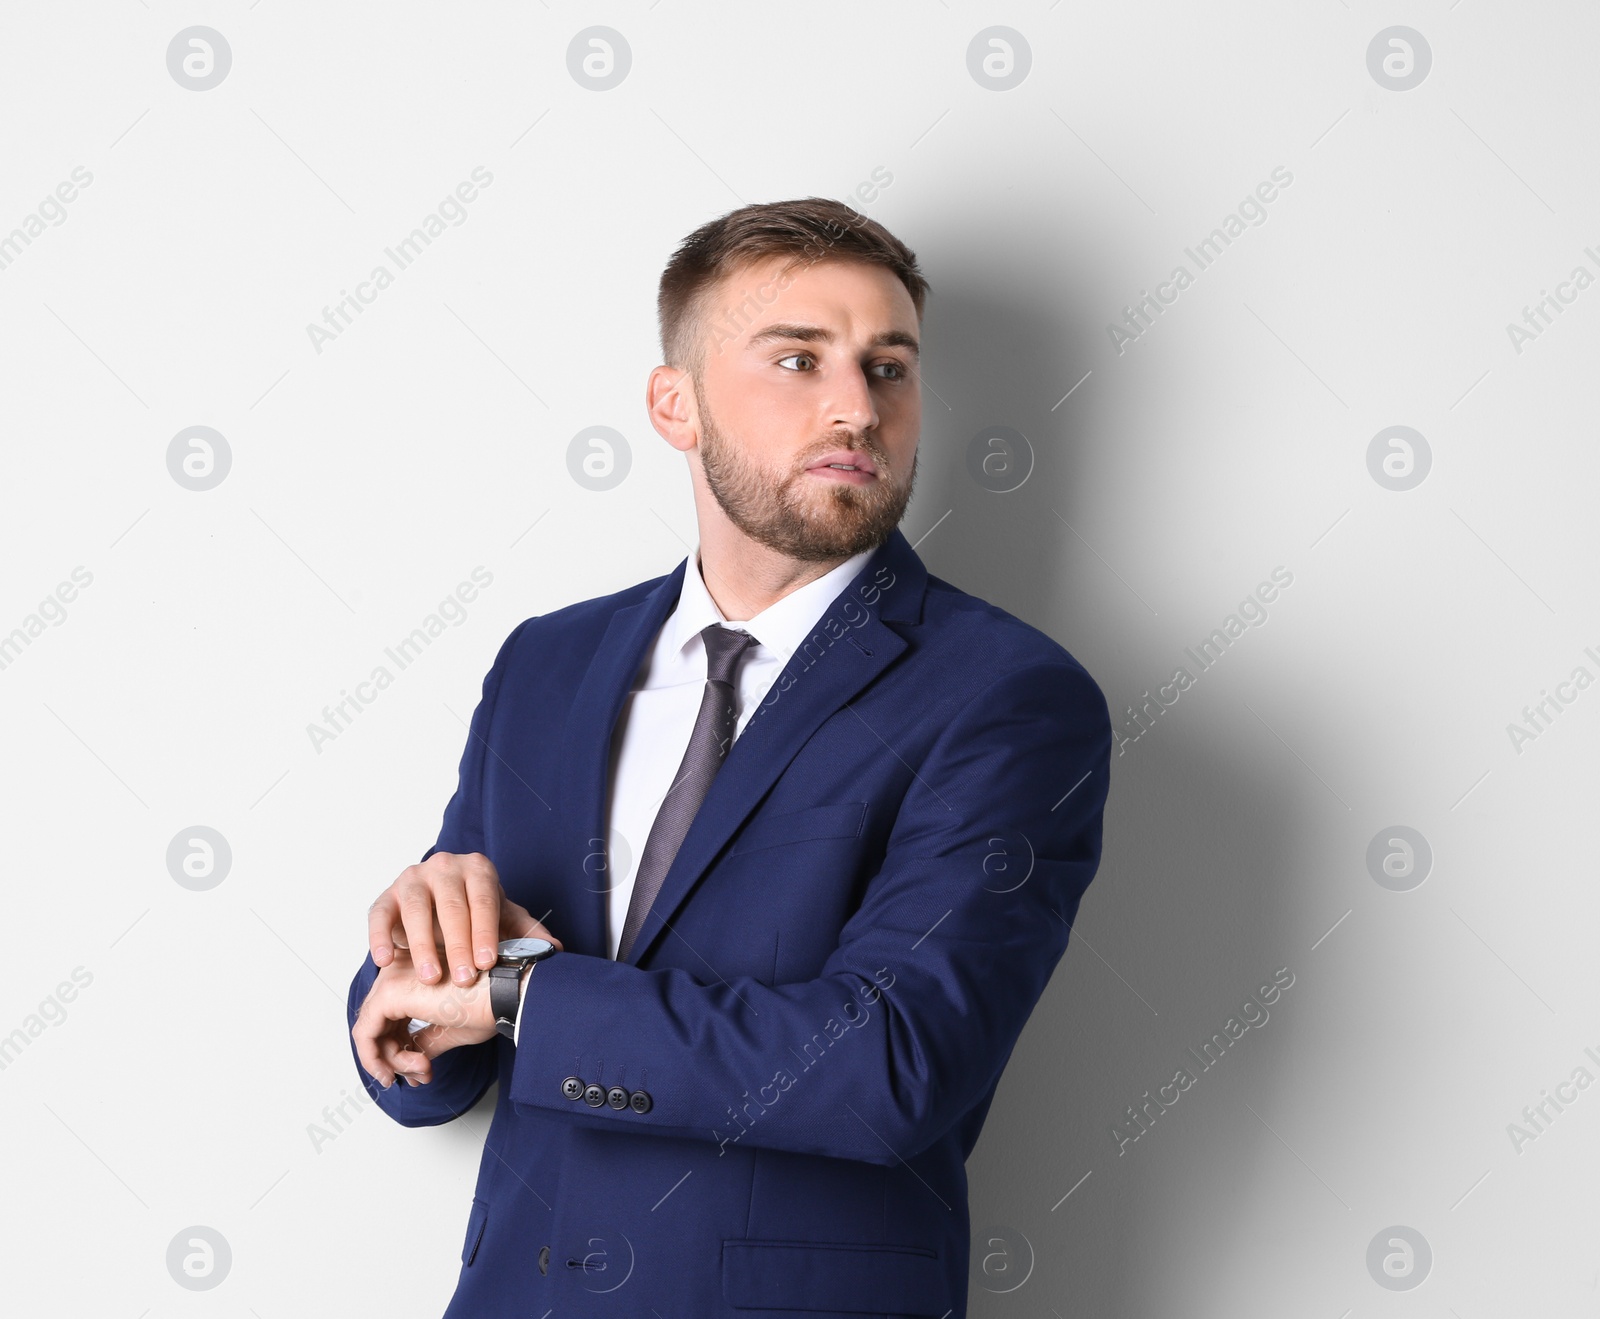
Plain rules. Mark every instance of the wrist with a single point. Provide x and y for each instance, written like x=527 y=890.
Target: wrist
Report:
x=508 y=981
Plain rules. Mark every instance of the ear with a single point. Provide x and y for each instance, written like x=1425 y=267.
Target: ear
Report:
x=670 y=402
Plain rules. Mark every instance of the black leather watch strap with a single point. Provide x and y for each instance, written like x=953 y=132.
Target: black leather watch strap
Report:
x=505 y=984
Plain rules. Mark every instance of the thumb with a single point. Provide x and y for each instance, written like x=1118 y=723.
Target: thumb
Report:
x=517 y=922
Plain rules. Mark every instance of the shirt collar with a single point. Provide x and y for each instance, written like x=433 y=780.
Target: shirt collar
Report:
x=781 y=626
x=695 y=609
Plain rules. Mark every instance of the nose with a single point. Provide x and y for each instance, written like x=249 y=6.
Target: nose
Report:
x=851 y=406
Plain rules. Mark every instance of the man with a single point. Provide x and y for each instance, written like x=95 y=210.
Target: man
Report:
x=851 y=813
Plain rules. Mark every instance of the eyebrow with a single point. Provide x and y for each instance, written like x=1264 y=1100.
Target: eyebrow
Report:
x=819 y=334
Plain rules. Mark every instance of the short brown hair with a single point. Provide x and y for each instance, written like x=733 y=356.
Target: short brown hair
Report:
x=807 y=230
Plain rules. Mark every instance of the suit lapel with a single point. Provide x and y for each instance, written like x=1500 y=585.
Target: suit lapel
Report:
x=586 y=753
x=818 y=680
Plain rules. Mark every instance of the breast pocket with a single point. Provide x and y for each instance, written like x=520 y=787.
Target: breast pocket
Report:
x=834 y=820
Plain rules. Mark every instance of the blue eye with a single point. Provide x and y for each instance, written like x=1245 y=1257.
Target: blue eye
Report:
x=899 y=370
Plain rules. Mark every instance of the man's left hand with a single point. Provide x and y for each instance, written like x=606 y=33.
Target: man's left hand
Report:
x=385 y=1046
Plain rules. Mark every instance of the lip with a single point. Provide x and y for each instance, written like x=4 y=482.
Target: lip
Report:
x=866 y=469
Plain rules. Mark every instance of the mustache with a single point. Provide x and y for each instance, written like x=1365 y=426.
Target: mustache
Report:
x=854 y=442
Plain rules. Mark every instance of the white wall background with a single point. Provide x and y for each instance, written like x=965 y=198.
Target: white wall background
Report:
x=178 y=1086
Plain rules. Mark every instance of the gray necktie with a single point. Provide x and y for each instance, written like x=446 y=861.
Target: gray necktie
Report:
x=708 y=746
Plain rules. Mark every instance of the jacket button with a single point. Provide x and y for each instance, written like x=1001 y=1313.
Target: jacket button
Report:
x=639 y=1102
x=617 y=1097
x=594 y=1096
x=544 y=1259
x=572 y=1088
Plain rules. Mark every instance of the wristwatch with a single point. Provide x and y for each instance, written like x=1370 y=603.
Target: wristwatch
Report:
x=505 y=979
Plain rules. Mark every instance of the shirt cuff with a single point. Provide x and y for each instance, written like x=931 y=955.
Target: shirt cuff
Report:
x=522 y=993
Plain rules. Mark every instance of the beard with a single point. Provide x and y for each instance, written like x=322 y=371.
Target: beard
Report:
x=800 y=516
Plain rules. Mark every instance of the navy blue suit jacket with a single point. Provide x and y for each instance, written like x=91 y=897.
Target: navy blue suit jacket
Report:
x=818 y=1008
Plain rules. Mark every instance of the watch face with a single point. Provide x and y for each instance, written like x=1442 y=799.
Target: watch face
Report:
x=525 y=947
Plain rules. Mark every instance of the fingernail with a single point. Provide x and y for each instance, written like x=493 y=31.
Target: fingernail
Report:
x=486 y=956
x=465 y=975
x=427 y=970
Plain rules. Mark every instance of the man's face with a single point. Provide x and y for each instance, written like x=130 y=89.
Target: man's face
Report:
x=803 y=369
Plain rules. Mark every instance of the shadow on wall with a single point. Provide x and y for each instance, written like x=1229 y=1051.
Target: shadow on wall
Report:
x=1184 y=921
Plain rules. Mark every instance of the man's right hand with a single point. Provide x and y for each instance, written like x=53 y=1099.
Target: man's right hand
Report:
x=453 y=900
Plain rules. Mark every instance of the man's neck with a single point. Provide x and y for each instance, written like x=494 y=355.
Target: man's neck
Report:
x=744 y=577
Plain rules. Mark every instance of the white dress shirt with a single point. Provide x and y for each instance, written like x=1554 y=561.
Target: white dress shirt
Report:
x=656 y=719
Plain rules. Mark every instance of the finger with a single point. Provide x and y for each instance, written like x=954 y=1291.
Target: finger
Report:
x=407 y=1062
x=381 y=917
x=416 y=910
x=370 y=1025
x=517 y=923
x=455 y=922
x=483 y=902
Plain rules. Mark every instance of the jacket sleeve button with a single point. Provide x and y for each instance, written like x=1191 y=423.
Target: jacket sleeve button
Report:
x=617 y=1097
x=594 y=1096
x=572 y=1088
x=639 y=1101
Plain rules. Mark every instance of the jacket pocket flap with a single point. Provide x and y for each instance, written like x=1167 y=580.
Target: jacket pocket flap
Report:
x=475 y=1221
x=828 y=1275
x=833 y=820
